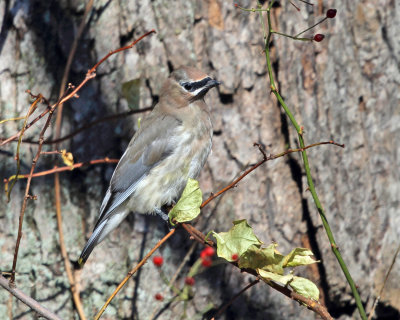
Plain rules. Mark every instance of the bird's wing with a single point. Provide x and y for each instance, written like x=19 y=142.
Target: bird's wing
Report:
x=151 y=144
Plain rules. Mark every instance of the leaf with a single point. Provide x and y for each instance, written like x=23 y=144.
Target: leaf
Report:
x=268 y=276
x=236 y=241
x=188 y=206
x=298 y=257
x=300 y=285
x=268 y=259
x=131 y=92
x=305 y=287
x=68 y=158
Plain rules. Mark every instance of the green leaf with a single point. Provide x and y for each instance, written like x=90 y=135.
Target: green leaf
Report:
x=300 y=285
x=268 y=276
x=268 y=259
x=298 y=257
x=305 y=287
x=236 y=241
x=131 y=92
x=188 y=206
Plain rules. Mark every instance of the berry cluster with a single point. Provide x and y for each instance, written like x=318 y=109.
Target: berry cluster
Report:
x=206 y=256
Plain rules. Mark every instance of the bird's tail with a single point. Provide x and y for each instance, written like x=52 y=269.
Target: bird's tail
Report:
x=92 y=242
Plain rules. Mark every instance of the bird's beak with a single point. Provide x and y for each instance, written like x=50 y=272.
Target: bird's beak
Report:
x=212 y=83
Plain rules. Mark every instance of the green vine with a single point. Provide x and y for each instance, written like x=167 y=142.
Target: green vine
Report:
x=267 y=33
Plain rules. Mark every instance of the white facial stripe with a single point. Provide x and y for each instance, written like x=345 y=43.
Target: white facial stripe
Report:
x=195 y=93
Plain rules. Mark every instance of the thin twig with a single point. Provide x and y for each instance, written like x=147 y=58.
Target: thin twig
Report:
x=64 y=254
x=17 y=157
x=133 y=271
x=60 y=169
x=51 y=152
x=265 y=159
x=90 y=124
x=57 y=189
x=27 y=196
x=196 y=234
x=184 y=261
x=226 y=305
x=11 y=119
x=30 y=302
x=371 y=314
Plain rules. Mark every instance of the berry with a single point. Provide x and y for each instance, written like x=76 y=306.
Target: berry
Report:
x=189 y=281
x=331 y=13
x=319 y=37
x=159 y=297
x=207 y=252
x=207 y=262
x=235 y=256
x=236 y=5
x=158 y=261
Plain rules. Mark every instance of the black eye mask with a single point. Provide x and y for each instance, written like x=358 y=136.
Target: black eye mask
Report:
x=193 y=86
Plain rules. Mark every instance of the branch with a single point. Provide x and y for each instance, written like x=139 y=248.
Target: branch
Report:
x=60 y=169
x=30 y=302
x=32 y=108
x=265 y=159
x=89 y=125
x=27 y=196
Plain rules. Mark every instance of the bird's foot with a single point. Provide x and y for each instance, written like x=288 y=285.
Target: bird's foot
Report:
x=162 y=214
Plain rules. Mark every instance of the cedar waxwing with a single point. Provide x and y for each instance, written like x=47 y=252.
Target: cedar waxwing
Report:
x=171 y=145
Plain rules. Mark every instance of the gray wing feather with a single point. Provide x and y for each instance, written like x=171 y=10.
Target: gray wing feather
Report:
x=150 y=145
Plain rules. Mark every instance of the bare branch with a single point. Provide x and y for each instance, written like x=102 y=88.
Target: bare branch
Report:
x=30 y=302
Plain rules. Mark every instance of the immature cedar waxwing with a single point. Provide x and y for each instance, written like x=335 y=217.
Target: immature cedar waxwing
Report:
x=171 y=145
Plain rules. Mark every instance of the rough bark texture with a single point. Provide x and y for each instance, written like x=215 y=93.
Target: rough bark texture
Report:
x=345 y=88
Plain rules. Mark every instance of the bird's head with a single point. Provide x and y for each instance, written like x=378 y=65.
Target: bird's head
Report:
x=189 y=84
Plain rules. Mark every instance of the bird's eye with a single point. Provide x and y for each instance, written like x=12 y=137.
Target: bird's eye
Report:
x=188 y=86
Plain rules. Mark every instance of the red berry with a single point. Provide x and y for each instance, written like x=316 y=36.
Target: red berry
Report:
x=189 y=281
x=235 y=256
x=331 y=13
x=207 y=252
x=207 y=262
x=319 y=37
x=159 y=297
x=158 y=261
x=236 y=5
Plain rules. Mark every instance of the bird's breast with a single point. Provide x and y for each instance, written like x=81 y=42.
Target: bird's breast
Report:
x=165 y=182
